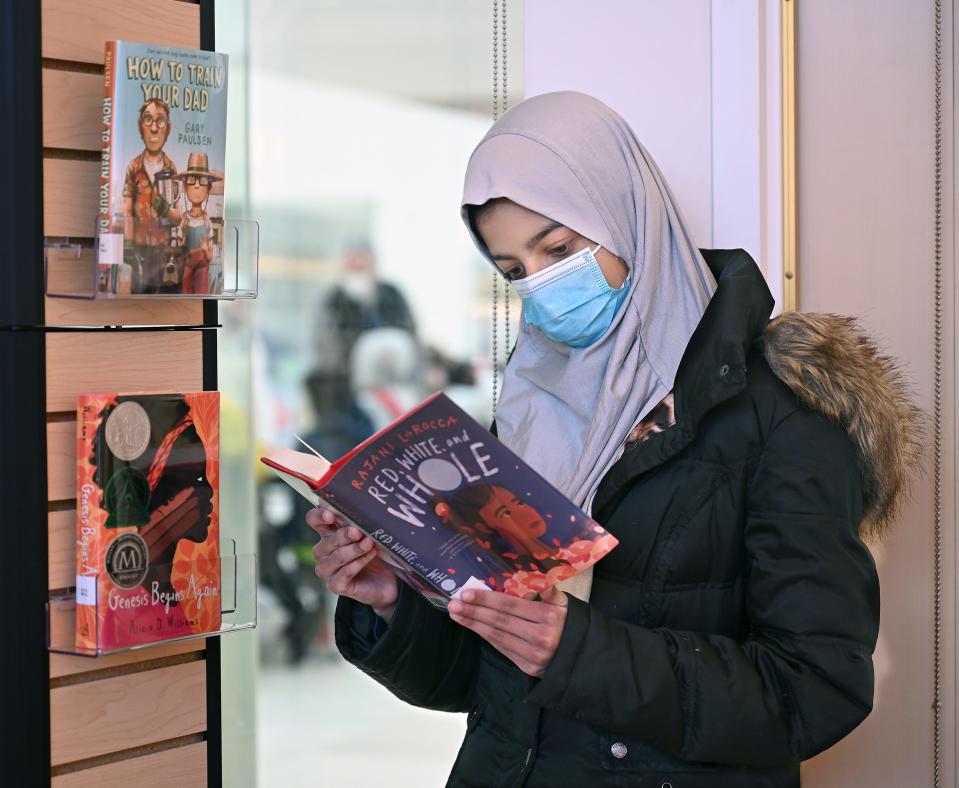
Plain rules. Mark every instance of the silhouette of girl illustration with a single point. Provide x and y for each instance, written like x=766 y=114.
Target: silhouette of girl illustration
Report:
x=174 y=497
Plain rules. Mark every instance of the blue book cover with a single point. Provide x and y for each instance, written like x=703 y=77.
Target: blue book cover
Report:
x=160 y=229
x=450 y=507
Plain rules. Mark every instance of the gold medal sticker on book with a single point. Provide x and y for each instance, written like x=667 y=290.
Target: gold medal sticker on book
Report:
x=148 y=562
x=161 y=213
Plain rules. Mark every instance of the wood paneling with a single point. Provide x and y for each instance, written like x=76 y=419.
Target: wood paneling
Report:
x=184 y=767
x=129 y=706
x=72 y=103
x=117 y=361
x=76 y=31
x=123 y=312
x=65 y=665
x=61 y=555
x=70 y=197
x=122 y=712
x=61 y=460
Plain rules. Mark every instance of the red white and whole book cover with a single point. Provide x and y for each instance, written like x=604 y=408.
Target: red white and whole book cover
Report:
x=450 y=507
x=148 y=554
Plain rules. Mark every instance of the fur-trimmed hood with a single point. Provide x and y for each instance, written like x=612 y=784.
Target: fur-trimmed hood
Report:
x=835 y=369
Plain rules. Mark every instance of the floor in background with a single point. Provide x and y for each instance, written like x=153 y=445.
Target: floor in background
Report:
x=324 y=723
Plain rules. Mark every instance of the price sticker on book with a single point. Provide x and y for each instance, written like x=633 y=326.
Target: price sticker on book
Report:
x=86 y=590
x=110 y=249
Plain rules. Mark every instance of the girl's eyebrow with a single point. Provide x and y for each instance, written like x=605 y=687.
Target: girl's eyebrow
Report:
x=547 y=229
x=542 y=234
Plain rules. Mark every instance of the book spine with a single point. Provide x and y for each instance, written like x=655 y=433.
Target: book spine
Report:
x=87 y=532
x=110 y=231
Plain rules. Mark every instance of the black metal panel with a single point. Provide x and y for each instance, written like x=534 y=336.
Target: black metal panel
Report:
x=214 y=714
x=24 y=697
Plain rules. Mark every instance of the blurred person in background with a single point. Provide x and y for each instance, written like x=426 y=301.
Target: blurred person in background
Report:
x=459 y=381
x=357 y=303
x=339 y=424
x=387 y=366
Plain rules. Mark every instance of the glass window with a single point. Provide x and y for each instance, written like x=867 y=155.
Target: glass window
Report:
x=350 y=128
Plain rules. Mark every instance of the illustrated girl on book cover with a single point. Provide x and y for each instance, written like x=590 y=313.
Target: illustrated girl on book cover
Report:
x=497 y=519
x=148 y=525
x=164 y=491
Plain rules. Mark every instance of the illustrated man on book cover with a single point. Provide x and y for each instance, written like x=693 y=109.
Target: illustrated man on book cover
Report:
x=149 y=194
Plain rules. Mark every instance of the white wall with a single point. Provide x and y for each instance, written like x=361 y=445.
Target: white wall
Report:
x=866 y=216
x=699 y=83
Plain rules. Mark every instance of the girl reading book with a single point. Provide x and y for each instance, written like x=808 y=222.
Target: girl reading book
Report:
x=741 y=462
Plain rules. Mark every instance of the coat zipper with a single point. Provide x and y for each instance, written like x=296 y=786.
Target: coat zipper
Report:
x=528 y=762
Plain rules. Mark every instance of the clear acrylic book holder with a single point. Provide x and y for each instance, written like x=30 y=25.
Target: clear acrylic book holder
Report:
x=237 y=603
x=71 y=270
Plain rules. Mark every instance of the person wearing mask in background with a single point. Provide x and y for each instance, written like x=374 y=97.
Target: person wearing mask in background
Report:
x=357 y=303
x=740 y=462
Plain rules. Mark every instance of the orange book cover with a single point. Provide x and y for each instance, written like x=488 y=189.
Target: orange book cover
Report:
x=148 y=536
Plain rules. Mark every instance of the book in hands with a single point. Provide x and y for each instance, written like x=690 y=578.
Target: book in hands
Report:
x=450 y=507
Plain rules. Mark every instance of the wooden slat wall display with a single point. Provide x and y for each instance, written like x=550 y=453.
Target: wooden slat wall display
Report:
x=70 y=197
x=184 y=767
x=124 y=312
x=61 y=558
x=72 y=103
x=61 y=461
x=122 y=712
x=137 y=717
x=77 y=30
x=121 y=361
x=62 y=665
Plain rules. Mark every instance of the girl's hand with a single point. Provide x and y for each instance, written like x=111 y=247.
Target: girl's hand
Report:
x=347 y=561
x=524 y=631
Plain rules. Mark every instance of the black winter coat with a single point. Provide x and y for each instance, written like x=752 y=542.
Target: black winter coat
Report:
x=730 y=634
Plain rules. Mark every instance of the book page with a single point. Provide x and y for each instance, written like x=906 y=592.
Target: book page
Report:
x=309 y=467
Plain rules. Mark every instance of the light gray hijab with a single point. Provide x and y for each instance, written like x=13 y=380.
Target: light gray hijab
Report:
x=567 y=412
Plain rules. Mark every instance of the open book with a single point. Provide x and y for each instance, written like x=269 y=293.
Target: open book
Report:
x=450 y=507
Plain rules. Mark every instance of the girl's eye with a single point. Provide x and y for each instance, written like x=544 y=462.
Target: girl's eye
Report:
x=560 y=251
x=514 y=273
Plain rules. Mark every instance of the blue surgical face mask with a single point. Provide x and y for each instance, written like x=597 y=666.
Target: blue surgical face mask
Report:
x=571 y=301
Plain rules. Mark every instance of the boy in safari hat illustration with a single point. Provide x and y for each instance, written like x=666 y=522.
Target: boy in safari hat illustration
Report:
x=196 y=229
